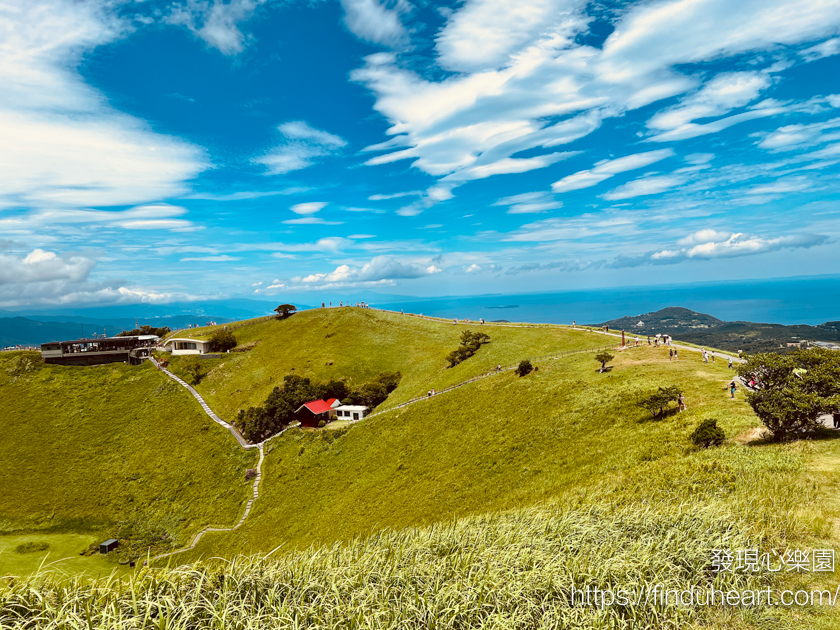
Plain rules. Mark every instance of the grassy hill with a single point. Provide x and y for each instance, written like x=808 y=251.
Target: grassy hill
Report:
x=499 y=443
x=358 y=344
x=479 y=507
x=85 y=448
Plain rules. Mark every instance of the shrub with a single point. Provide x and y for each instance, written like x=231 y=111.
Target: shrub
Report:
x=707 y=434
x=32 y=547
x=222 y=341
x=321 y=424
x=470 y=343
x=657 y=403
x=285 y=310
x=603 y=358
x=524 y=368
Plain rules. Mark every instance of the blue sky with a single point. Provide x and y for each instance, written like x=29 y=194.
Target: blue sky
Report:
x=157 y=151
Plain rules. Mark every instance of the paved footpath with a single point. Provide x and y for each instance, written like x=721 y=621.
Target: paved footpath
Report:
x=242 y=443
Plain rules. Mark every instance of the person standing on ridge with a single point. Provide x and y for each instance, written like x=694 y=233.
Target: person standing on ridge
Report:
x=670 y=354
x=681 y=402
x=732 y=388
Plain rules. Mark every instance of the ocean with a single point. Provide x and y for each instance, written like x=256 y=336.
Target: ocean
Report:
x=809 y=300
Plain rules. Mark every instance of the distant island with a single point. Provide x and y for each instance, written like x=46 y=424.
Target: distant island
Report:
x=707 y=330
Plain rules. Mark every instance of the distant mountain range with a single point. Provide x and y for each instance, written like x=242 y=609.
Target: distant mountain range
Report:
x=704 y=329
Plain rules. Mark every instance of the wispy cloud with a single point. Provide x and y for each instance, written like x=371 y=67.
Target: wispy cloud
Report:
x=710 y=244
x=301 y=146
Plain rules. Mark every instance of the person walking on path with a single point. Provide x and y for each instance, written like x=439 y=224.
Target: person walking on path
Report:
x=676 y=356
x=730 y=363
x=732 y=388
x=681 y=402
x=574 y=324
x=713 y=356
x=836 y=416
x=740 y=354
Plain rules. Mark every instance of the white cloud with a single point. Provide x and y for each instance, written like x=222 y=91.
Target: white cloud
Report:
x=380 y=270
x=529 y=203
x=61 y=143
x=311 y=221
x=726 y=91
x=796 y=136
x=607 y=168
x=301 y=147
x=377 y=22
x=484 y=34
x=473 y=268
x=827 y=48
x=152 y=216
x=45 y=277
x=644 y=186
x=223 y=258
x=409 y=193
x=216 y=22
x=310 y=207
x=519 y=68
x=710 y=244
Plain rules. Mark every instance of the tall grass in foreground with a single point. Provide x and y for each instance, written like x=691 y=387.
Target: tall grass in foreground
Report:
x=508 y=570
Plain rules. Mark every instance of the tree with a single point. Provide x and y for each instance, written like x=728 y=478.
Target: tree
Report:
x=470 y=343
x=254 y=423
x=792 y=391
x=603 y=358
x=707 y=434
x=524 y=368
x=145 y=330
x=657 y=402
x=285 y=310
x=222 y=341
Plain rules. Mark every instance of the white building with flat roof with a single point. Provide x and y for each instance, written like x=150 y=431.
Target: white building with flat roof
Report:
x=350 y=412
x=182 y=345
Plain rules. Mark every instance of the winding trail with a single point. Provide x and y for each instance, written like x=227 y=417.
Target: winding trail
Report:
x=242 y=443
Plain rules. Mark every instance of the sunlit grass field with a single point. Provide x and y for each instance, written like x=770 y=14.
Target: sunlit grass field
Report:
x=85 y=448
x=480 y=507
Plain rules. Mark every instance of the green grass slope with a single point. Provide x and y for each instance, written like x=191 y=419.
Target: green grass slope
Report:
x=84 y=448
x=360 y=344
x=498 y=443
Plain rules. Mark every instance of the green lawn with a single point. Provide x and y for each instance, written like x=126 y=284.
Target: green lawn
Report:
x=85 y=448
x=62 y=557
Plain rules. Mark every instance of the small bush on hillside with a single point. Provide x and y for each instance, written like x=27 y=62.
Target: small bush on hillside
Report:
x=285 y=310
x=524 y=368
x=707 y=434
x=470 y=343
x=658 y=402
x=222 y=341
x=32 y=547
x=603 y=358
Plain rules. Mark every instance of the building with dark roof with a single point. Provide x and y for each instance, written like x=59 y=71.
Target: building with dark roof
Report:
x=99 y=351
